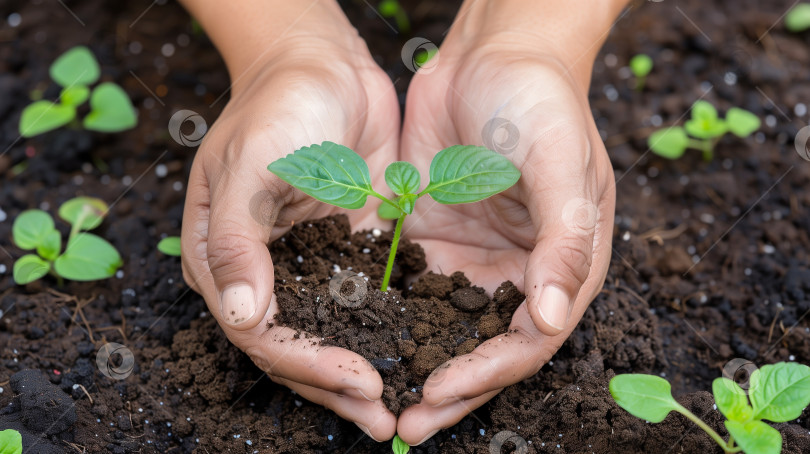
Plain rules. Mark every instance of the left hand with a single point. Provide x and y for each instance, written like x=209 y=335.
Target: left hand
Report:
x=550 y=234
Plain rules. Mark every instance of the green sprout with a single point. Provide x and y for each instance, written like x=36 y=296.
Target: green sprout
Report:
x=797 y=19
x=170 y=246
x=391 y=9
x=706 y=128
x=777 y=393
x=641 y=65
x=399 y=446
x=10 y=442
x=336 y=175
x=74 y=71
x=87 y=257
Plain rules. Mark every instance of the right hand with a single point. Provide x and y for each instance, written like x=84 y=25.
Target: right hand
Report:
x=311 y=91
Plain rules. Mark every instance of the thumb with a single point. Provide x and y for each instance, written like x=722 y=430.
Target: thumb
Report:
x=238 y=257
x=560 y=264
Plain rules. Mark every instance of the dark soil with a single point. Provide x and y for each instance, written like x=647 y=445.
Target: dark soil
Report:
x=710 y=260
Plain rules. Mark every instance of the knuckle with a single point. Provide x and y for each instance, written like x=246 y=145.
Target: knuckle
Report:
x=573 y=258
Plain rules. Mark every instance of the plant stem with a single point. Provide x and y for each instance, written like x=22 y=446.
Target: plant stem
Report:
x=393 y=253
x=715 y=436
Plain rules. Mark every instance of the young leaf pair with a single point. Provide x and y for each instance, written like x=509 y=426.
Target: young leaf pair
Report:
x=74 y=71
x=336 y=175
x=87 y=257
x=706 y=128
x=777 y=393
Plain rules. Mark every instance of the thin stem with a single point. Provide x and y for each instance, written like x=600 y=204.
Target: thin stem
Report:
x=385 y=199
x=715 y=436
x=393 y=253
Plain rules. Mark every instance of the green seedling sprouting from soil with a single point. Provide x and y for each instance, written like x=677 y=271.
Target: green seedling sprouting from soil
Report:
x=399 y=447
x=170 y=246
x=74 y=71
x=641 y=65
x=87 y=257
x=777 y=393
x=392 y=9
x=797 y=19
x=702 y=131
x=10 y=442
x=336 y=175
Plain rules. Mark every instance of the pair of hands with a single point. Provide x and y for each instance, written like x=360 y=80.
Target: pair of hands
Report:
x=550 y=234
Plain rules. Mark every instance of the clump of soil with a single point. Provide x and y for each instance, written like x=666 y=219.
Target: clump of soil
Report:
x=406 y=332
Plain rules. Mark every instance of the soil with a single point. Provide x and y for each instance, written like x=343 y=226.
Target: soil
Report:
x=710 y=263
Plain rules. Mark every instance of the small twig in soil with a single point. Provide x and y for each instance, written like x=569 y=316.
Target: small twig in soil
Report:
x=85 y=392
x=548 y=395
x=658 y=234
x=76 y=447
x=773 y=323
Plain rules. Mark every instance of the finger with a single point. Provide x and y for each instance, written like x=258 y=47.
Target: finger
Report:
x=371 y=416
x=420 y=422
x=194 y=233
x=499 y=362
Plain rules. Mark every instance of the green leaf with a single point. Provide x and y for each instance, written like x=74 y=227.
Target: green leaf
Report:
x=88 y=212
x=87 y=258
x=386 y=211
x=43 y=116
x=741 y=122
x=110 y=109
x=670 y=143
x=399 y=446
x=329 y=172
x=30 y=229
x=50 y=245
x=779 y=392
x=644 y=396
x=798 y=18
x=170 y=246
x=10 y=442
x=77 y=66
x=406 y=202
x=731 y=400
x=75 y=95
x=403 y=178
x=29 y=268
x=641 y=65
x=755 y=437
x=704 y=123
x=467 y=173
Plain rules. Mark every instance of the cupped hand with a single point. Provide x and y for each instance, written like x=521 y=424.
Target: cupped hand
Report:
x=550 y=234
x=313 y=90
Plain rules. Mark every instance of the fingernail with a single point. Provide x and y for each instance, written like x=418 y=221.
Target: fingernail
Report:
x=554 y=307
x=366 y=431
x=427 y=437
x=357 y=394
x=238 y=303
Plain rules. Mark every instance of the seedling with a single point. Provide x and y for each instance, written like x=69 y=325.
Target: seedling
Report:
x=399 y=446
x=10 y=442
x=702 y=131
x=74 y=71
x=336 y=175
x=391 y=9
x=641 y=65
x=797 y=19
x=170 y=246
x=777 y=393
x=87 y=257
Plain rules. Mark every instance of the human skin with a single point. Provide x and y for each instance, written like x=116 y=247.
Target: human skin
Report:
x=301 y=75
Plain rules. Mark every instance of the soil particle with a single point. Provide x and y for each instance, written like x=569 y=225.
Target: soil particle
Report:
x=469 y=299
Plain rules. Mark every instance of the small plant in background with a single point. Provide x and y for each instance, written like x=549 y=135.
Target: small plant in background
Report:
x=777 y=393
x=391 y=9
x=10 y=442
x=702 y=131
x=87 y=257
x=74 y=71
x=641 y=65
x=399 y=446
x=336 y=175
x=170 y=246
x=797 y=19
